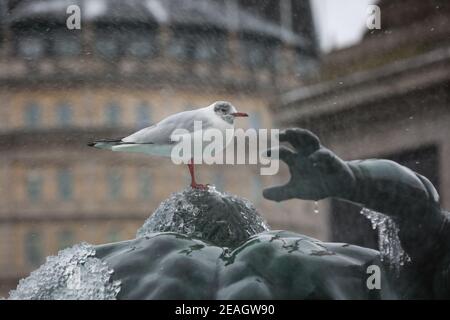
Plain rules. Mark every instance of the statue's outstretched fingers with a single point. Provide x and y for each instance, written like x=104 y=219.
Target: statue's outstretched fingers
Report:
x=279 y=193
x=304 y=141
x=283 y=153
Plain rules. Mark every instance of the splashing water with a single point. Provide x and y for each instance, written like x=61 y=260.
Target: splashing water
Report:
x=210 y=215
x=74 y=274
x=389 y=244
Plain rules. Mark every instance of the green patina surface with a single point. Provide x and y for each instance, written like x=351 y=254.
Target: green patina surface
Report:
x=270 y=265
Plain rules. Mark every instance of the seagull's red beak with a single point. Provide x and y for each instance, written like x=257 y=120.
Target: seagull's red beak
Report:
x=239 y=114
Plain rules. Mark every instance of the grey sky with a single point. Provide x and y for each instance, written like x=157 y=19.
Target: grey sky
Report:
x=340 y=23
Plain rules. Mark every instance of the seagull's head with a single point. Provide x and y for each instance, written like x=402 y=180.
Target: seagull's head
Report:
x=226 y=111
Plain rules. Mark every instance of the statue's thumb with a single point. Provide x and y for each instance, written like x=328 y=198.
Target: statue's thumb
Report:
x=278 y=193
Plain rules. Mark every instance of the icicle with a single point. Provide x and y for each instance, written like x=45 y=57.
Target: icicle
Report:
x=389 y=245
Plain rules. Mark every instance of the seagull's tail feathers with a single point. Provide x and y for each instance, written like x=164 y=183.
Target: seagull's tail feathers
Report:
x=120 y=145
x=107 y=144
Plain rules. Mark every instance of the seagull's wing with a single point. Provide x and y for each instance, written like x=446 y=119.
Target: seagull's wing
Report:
x=161 y=132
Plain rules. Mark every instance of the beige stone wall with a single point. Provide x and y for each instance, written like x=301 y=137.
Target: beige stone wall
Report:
x=90 y=214
x=89 y=105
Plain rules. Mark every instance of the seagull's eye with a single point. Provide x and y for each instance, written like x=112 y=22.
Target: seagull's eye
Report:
x=223 y=110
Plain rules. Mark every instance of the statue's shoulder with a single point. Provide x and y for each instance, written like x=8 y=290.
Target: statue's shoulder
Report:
x=288 y=265
x=269 y=265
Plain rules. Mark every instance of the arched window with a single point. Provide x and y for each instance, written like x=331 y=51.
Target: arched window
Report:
x=32 y=115
x=34 y=255
x=65 y=187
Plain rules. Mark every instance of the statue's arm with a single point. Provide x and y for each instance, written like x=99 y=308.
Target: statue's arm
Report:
x=381 y=185
x=391 y=188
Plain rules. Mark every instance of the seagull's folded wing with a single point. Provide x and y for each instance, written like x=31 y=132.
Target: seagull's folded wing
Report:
x=161 y=132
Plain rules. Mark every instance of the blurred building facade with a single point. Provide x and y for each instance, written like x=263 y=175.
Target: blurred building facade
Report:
x=385 y=97
x=132 y=63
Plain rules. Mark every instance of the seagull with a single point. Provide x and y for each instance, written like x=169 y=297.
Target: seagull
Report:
x=158 y=139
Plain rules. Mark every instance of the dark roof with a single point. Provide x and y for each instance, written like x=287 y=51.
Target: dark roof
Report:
x=168 y=12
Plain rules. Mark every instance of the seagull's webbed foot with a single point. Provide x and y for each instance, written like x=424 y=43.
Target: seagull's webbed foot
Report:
x=199 y=186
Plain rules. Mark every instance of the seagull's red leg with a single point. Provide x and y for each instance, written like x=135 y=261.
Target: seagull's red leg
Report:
x=194 y=184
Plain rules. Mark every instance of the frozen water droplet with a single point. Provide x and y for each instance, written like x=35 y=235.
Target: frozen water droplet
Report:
x=316 y=207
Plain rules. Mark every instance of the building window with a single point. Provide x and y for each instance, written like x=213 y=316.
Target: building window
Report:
x=219 y=181
x=145 y=184
x=113 y=235
x=210 y=49
x=138 y=41
x=202 y=46
x=115 y=184
x=143 y=115
x=112 y=114
x=65 y=239
x=179 y=47
x=33 y=249
x=257 y=188
x=258 y=54
x=65 y=44
x=107 y=45
x=34 y=186
x=65 y=184
x=31 y=47
x=32 y=115
x=140 y=45
x=307 y=64
x=64 y=114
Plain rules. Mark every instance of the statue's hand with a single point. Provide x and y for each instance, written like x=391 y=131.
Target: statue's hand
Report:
x=316 y=172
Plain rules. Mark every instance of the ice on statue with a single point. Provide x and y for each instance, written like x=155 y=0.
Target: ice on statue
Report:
x=219 y=218
x=204 y=244
x=74 y=274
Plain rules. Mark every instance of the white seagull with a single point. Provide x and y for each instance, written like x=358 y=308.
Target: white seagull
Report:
x=158 y=140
